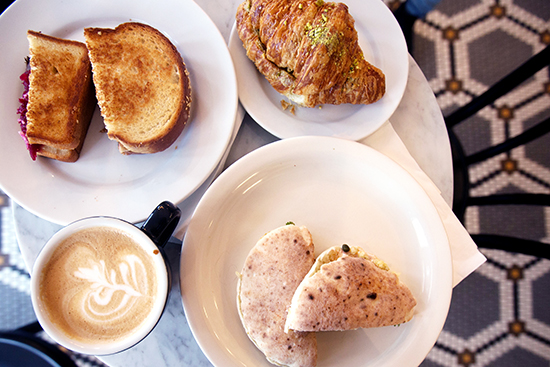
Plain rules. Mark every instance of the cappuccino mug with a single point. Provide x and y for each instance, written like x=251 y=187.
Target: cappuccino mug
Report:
x=100 y=285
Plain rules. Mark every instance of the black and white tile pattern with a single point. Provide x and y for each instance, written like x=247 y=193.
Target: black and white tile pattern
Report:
x=499 y=315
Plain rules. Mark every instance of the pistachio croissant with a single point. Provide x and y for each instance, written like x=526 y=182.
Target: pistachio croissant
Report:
x=308 y=50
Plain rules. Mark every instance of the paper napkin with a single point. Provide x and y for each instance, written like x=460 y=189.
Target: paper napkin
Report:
x=465 y=254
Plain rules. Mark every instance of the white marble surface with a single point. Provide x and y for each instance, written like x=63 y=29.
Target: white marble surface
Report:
x=418 y=122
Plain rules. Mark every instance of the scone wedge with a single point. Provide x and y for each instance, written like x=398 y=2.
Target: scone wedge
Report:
x=271 y=273
x=348 y=289
x=142 y=86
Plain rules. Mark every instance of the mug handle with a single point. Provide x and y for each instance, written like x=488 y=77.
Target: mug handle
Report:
x=162 y=222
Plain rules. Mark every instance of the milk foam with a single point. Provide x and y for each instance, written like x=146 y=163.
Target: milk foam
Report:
x=99 y=285
x=103 y=285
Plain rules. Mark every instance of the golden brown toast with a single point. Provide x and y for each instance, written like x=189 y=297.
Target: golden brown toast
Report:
x=308 y=50
x=61 y=96
x=142 y=86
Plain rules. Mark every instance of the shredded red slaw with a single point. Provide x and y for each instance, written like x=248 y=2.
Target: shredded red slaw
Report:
x=22 y=111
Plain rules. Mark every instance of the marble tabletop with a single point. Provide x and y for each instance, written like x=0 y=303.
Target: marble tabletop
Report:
x=418 y=122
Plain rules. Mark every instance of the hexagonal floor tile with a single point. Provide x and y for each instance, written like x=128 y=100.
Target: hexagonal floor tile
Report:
x=475 y=306
x=488 y=50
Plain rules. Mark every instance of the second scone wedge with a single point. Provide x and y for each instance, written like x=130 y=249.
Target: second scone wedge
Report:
x=348 y=289
x=271 y=273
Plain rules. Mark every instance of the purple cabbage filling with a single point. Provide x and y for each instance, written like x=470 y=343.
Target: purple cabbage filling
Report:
x=22 y=111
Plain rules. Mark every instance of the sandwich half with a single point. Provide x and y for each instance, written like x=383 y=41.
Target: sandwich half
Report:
x=61 y=98
x=142 y=86
x=348 y=289
x=271 y=273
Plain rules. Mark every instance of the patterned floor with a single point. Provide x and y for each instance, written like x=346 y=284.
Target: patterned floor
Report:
x=500 y=315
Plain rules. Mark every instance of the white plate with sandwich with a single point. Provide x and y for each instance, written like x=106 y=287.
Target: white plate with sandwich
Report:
x=344 y=193
x=383 y=45
x=103 y=181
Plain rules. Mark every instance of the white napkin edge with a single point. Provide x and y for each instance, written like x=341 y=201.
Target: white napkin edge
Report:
x=466 y=257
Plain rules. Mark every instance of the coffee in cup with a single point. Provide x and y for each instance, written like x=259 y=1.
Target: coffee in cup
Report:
x=100 y=284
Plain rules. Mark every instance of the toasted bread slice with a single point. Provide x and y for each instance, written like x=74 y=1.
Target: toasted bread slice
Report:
x=142 y=86
x=61 y=96
x=64 y=155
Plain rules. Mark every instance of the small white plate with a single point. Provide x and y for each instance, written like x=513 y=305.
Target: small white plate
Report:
x=383 y=45
x=102 y=181
x=343 y=192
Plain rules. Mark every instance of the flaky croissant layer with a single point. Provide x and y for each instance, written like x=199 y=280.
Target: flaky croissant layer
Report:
x=309 y=51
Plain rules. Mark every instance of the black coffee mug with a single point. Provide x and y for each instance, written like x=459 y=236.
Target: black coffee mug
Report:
x=151 y=237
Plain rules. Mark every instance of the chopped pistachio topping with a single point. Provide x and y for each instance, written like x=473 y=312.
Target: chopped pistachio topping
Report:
x=322 y=35
x=382 y=265
x=353 y=66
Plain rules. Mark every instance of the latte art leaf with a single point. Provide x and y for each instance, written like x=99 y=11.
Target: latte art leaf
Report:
x=101 y=285
x=104 y=284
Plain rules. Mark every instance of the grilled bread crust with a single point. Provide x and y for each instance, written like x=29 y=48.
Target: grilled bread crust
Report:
x=64 y=155
x=142 y=86
x=61 y=96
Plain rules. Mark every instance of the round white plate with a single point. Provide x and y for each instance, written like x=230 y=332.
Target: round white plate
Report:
x=383 y=45
x=343 y=192
x=102 y=181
